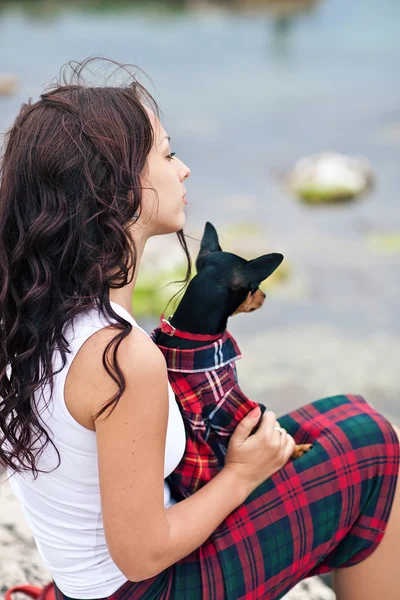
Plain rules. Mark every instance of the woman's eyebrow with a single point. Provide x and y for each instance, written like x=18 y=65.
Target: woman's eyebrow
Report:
x=166 y=138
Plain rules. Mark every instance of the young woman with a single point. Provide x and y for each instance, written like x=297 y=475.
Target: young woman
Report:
x=89 y=425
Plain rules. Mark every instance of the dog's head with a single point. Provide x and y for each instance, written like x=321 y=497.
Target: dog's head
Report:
x=231 y=277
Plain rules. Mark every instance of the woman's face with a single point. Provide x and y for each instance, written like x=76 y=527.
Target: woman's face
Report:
x=166 y=175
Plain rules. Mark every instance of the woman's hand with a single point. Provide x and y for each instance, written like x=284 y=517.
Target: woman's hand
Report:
x=254 y=458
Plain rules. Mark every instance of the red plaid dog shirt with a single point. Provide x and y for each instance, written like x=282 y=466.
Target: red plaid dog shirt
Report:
x=212 y=404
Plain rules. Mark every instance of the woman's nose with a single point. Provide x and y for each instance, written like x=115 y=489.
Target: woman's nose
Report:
x=184 y=171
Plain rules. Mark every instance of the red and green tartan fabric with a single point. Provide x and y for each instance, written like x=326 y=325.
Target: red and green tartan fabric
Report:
x=325 y=510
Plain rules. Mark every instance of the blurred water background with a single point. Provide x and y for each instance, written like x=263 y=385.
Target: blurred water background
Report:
x=247 y=88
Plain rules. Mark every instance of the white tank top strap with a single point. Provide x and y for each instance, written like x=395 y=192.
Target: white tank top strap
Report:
x=85 y=325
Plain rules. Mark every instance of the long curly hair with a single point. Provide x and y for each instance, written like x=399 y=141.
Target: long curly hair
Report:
x=70 y=186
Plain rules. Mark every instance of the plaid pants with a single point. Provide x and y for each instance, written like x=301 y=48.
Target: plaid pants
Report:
x=325 y=510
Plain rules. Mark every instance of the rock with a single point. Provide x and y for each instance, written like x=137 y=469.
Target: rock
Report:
x=310 y=589
x=19 y=559
x=8 y=84
x=330 y=177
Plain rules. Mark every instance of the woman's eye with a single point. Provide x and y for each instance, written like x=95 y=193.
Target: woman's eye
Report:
x=171 y=155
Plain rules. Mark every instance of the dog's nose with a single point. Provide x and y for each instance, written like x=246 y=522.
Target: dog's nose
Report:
x=264 y=295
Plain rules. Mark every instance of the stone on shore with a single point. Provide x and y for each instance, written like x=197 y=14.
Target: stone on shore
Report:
x=330 y=177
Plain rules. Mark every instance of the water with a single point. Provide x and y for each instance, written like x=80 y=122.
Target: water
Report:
x=242 y=98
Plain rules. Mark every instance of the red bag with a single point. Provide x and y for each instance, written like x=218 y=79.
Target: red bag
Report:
x=46 y=593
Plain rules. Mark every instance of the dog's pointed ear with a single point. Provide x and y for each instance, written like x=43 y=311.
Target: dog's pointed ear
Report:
x=261 y=268
x=209 y=244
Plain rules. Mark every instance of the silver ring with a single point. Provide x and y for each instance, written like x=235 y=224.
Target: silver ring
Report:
x=279 y=429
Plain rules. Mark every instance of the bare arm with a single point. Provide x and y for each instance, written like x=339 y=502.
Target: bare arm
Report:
x=143 y=537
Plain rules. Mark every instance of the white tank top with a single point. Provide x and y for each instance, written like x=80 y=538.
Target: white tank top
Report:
x=63 y=507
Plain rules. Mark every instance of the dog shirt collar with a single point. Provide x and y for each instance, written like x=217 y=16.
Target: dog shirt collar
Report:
x=211 y=356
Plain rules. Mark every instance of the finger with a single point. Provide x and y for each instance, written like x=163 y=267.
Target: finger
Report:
x=277 y=440
x=290 y=445
x=269 y=421
x=284 y=438
x=278 y=430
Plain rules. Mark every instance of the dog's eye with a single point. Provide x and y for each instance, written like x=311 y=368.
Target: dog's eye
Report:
x=253 y=290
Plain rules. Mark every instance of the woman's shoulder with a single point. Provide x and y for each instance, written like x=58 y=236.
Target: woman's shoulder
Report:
x=135 y=346
x=89 y=386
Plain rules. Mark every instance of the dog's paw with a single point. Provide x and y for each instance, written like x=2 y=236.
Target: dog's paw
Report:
x=300 y=450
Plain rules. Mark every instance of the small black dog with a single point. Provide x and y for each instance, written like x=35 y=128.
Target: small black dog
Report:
x=225 y=285
x=201 y=354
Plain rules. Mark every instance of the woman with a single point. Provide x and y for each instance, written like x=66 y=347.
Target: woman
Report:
x=89 y=422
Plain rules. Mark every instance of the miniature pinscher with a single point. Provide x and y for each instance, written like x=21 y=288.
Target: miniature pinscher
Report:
x=199 y=351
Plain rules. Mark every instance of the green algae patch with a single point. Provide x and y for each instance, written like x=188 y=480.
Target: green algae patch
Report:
x=281 y=274
x=153 y=291
x=314 y=195
x=385 y=242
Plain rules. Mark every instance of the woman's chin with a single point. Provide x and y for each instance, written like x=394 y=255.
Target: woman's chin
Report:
x=180 y=221
x=178 y=224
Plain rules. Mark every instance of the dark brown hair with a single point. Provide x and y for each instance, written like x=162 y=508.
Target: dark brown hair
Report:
x=69 y=187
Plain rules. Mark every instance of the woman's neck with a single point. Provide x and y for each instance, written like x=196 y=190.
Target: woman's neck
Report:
x=123 y=296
